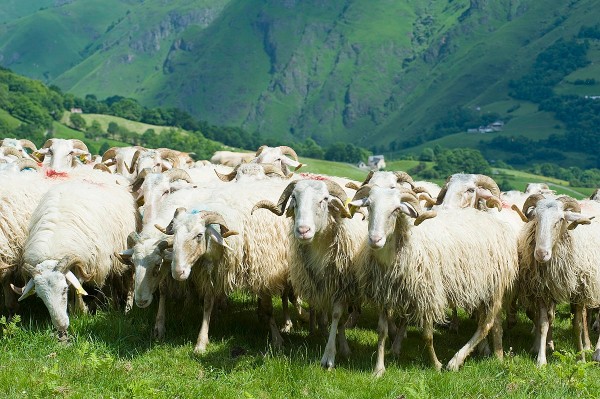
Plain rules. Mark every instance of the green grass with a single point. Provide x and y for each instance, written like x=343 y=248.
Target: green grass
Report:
x=112 y=355
x=10 y=120
x=104 y=120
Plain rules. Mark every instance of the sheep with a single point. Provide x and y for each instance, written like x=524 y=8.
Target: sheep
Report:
x=156 y=160
x=329 y=240
x=72 y=236
x=538 y=188
x=250 y=259
x=558 y=263
x=277 y=156
x=230 y=158
x=595 y=196
x=61 y=155
x=421 y=271
x=19 y=144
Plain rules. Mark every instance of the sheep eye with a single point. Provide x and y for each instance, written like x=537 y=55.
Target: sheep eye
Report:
x=471 y=190
x=199 y=237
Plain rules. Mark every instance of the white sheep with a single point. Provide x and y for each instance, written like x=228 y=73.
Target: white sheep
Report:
x=459 y=258
x=328 y=241
x=277 y=157
x=558 y=263
x=230 y=158
x=61 y=155
x=256 y=260
x=73 y=234
x=19 y=144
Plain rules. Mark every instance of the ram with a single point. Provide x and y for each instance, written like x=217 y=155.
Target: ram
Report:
x=61 y=155
x=421 y=270
x=327 y=240
x=230 y=158
x=73 y=234
x=558 y=263
x=250 y=253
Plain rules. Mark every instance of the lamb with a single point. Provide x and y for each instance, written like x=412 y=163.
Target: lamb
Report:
x=559 y=263
x=329 y=240
x=73 y=233
x=250 y=259
x=421 y=271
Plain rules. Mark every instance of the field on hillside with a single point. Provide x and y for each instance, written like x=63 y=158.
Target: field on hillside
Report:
x=104 y=120
x=112 y=355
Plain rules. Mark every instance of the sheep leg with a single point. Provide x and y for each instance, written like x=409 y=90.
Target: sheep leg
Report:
x=497 y=337
x=543 y=326
x=382 y=328
x=10 y=299
x=303 y=315
x=578 y=328
x=400 y=335
x=287 y=325
x=328 y=360
x=486 y=321
x=428 y=338
x=511 y=313
x=354 y=316
x=129 y=282
x=392 y=328
x=202 y=342
x=159 y=322
x=587 y=344
x=343 y=342
x=550 y=339
x=267 y=308
x=453 y=325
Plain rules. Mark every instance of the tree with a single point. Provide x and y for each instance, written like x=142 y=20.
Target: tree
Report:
x=77 y=121
x=103 y=148
x=94 y=131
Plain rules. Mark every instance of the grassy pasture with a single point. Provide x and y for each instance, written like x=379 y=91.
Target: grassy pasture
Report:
x=112 y=355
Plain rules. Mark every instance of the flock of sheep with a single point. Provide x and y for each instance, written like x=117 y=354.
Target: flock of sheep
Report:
x=139 y=220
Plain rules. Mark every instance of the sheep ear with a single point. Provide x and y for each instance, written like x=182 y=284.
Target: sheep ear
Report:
x=216 y=237
x=408 y=210
x=125 y=256
x=359 y=202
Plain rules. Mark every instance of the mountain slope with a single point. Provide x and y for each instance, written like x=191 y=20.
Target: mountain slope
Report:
x=367 y=72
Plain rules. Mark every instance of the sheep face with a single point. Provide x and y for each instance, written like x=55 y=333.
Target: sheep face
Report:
x=147 y=257
x=465 y=190
x=384 y=179
x=385 y=206
x=277 y=156
x=149 y=159
x=194 y=237
x=61 y=155
x=51 y=286
x=552 y=223
x=309 y=203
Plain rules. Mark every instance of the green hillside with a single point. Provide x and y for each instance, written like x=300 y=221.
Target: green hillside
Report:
x=376 y=74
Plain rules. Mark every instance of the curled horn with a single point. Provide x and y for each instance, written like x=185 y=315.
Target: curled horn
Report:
x=28 y=144
x=171 y=155
x=260 y=150
x=442 y=193
x=488 y=183
x=102 y=167
x=515 y=208
x=79 y=145
x=530 y=202
x=368 y=178
x=569 y=204
x=169 y=229
x=13 y=151
x=109 y=154
x=353 y=186
x=340 y=195
x=48 y=143
x=228 y=177
x=281 y=203
x=216 y=218
x=288 y=151
x=25 y=163
x=176 y=174
x=403 y=177
x=363 y=192
x=165 y=243
x=134 y=159
x=271 y=169
x=140 y=179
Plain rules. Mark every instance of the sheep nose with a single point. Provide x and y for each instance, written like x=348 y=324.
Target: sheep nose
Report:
x=376 y=240
x=302 y=230
x=142 y=303
x=180 y=275
x=542 y=255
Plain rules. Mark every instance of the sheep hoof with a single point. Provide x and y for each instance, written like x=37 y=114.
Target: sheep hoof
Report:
x=453 y=365
x=159 y=333
x=484 y=348
x=378 y=373
x=200 y=348
x=327 y=363
x=550 y=345
x=63 y=337
x=596 y=355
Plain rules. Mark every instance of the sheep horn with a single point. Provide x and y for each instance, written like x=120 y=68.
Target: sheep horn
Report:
x=494 y=202
x=288 y=151
x=132 y=239
x=429 y=201
x=440 y=197
x=48 y=143
x=71 y=278
x=260 y=150
x=271 y=169
x=488 y=183
x=109 y=154
x=216 y=218
x=80 y=145
x=531 y=201
x=102 y=167
x=363 y=192
x=353 y=186
x=336 y=190
x=177 y=174
x=580 y=221
x=140 y=179
x=25 y=163
x=28 y=144
x=424 y=216
x=281 y=203
x=368 y=178
x=27 y=291
x=134 y=159
x=160 y=228
x=165 y=243
x=515 y=208
x=13 y=151
x=172 y=155
x=403 y=177
x=569 y=204
x=228 y=177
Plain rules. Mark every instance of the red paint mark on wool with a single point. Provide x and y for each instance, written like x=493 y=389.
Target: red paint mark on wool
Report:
x=52 y=174
x=312 y=176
